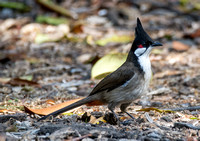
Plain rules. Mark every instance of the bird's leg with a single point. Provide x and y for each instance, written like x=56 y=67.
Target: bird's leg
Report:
x=123 y=109
x=111 y=107
x=129 y=115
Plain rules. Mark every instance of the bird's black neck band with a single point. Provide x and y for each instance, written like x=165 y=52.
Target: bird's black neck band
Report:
x=134 y=59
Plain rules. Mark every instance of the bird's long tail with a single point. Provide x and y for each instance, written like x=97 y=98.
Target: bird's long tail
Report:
x=72 y=106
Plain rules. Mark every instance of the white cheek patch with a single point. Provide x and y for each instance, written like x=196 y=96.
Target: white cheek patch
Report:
x=139 y=51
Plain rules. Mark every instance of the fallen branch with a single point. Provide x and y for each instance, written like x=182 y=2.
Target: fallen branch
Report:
x=186 y=125
x=184 y=108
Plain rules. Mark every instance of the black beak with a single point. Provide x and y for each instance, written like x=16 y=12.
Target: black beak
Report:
x=156 y=44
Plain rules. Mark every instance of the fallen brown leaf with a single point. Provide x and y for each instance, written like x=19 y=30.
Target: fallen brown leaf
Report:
x=95 y=120
x=22 y=82
x=4 y=80
x=46 y=111
x=178 y=46
x=3 y=110
x=195 y=34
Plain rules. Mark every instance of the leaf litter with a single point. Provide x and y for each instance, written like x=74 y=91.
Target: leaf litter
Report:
x=57 y=72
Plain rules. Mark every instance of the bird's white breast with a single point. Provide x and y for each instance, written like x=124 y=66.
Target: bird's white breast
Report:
x=145 y=64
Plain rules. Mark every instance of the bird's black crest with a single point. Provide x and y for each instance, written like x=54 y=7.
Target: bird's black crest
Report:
x=140 y=34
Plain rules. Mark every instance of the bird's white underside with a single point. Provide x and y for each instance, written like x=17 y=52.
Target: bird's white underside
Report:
x=144 y=61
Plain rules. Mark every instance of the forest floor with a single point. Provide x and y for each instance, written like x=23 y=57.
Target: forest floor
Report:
x=38 y=72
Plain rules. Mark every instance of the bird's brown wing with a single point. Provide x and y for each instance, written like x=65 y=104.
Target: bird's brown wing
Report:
x=115 y=79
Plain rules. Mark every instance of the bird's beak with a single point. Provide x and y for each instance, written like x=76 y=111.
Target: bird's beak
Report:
x=156 y=44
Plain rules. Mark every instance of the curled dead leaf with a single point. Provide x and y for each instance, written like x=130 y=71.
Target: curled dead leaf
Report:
x=22 y=82
x=46 y=111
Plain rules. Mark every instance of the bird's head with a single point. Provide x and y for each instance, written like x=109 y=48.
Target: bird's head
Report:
x=143 y=44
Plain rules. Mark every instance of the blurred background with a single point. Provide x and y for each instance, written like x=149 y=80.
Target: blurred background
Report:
x=59 y=49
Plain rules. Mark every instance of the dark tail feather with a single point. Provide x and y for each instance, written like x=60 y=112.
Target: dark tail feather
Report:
x=72 y=106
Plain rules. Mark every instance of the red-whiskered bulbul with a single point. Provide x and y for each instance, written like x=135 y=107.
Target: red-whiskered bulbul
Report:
x=128 y=83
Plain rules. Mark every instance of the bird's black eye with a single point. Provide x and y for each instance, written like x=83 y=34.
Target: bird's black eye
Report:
x=147 y=44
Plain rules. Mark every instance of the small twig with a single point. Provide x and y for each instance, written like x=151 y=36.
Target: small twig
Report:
x=186 y=125
x=159 y=91
x=184 y=108
x=153 y=122
x=82 y=137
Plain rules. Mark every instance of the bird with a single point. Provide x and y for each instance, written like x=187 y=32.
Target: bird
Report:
x=126 y=84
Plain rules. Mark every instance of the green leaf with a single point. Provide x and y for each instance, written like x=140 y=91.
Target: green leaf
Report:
x=107 y=64
x=42 y=38
x=27 y=77
x=15 y=5
x=51 y=20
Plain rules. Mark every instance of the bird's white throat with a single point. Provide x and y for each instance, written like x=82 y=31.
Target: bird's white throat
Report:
x=144 y=61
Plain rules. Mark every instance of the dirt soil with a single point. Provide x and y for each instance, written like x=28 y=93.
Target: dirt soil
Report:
x=59 y=73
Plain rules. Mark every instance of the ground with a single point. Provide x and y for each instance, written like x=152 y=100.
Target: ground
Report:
x=58 y=72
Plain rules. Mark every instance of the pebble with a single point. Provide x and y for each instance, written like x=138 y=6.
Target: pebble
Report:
x=154 y=135
x=165 y=118
x=156 y=104
x=6 y=12
x=87 y=139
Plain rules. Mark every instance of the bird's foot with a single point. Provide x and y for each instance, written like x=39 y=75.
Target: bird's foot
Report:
x=112 y=119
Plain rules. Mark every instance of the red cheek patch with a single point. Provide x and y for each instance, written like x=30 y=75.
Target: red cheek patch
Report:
x=140 y=46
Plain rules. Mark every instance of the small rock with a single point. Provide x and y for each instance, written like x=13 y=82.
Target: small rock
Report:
x=72 y=89
x=140 y=120
x=84 y=58
x=76 y=70
x=7 y=12
x=167 y=119
x=127 y=122
x=186 y=104
x=97 y=114
x=156 y=104
x=154 y=135
x=97 y=20
x=87 y=139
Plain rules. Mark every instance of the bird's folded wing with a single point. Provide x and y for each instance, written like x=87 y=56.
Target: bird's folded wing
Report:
x=115 y=79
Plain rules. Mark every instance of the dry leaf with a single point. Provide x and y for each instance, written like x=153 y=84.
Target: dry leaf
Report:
x=3 y=110
x=50 y=101
x=22 y=82
x=77 y=28
x=179 y=46
x=4 y=80
x=95 y=120
x=155 y=109
x=46 y=111
x=194 y=34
